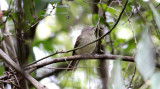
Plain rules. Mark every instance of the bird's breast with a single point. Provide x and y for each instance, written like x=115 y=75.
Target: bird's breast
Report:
x=89 y=48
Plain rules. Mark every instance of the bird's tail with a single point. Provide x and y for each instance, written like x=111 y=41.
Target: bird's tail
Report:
x=72 y=65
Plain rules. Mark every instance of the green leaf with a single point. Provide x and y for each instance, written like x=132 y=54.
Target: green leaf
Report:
x=1 y=69
x=111 y=10
x=145 y=58
x=116 y=77
x=1 y=38
x=95 y=18
x=42 y=4
x=104 y=6
x=110 y=23
x=1 y=26
x=156 y=14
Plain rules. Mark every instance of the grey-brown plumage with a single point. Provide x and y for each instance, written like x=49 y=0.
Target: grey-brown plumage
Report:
x=86 y=36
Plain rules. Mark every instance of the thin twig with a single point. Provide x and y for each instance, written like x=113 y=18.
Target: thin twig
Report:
x=93 y=2
x=125 y=72
x=130 y=84
x=15 y=66
x=158 y=5
x=70 y=68
x=135 y=40
x=83 y=57
x=7 y=82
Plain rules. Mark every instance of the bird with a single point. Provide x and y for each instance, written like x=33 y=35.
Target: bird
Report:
x=87 y=35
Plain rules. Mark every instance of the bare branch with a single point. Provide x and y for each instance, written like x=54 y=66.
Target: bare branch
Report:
x=10 y=62
x=79 y=57
x=130 y=84
x=83 y=57
x=9 y=82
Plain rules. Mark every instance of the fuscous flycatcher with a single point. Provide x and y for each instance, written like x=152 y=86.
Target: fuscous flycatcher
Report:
x=87 y=35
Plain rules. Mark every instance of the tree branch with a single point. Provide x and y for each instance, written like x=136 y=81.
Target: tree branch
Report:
x=79 y=57
x=82 y=57
x=15 y=66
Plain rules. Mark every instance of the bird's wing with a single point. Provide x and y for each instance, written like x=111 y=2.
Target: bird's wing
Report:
x=74 y=63
x=77 y=44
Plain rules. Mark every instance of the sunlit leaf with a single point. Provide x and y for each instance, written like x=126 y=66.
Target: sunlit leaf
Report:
x=145 y=58
x=117 y=81
x=111 y=10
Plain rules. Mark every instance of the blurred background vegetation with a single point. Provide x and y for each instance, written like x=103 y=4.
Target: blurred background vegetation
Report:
x=38 y=28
